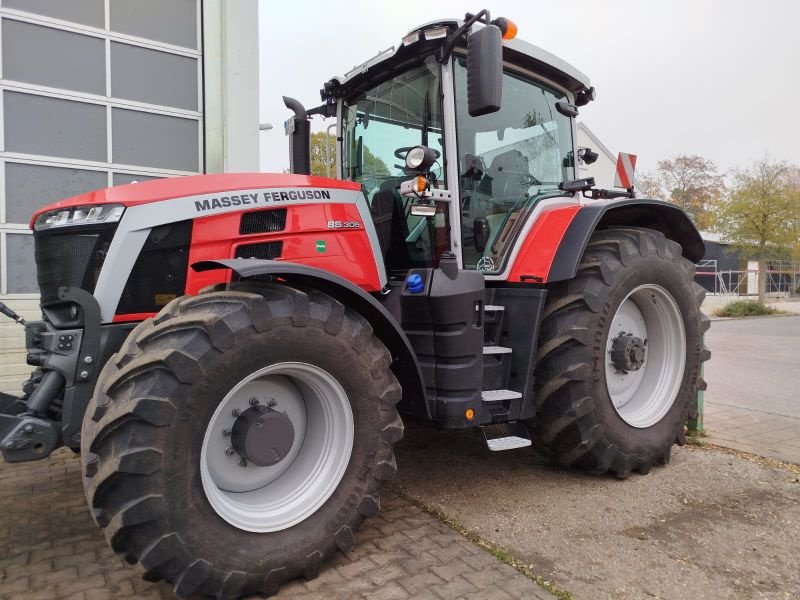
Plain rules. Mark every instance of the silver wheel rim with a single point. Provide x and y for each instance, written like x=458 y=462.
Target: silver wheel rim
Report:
x=643 y=396
x=272 y=498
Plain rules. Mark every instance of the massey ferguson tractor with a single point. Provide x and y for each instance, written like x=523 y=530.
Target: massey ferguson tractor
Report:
x=231 y=354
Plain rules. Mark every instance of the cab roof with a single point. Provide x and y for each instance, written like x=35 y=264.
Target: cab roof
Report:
x=515 y=51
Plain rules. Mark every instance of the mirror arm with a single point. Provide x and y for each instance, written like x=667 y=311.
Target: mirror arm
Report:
x=469 y=20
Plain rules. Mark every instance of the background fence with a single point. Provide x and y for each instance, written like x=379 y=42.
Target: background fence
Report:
x=782 y=279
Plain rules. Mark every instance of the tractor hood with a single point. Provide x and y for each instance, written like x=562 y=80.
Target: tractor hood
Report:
x=146 y=192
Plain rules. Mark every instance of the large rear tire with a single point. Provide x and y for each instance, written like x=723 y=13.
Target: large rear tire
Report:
x=177 y=468
x=618 y=365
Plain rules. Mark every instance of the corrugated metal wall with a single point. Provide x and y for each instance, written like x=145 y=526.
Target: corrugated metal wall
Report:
x=93 y=93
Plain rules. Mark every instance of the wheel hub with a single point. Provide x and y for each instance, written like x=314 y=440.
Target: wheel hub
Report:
x=262 y=436
x=627 y=353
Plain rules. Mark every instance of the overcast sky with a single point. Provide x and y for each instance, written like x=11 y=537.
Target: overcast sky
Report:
x=719 y=78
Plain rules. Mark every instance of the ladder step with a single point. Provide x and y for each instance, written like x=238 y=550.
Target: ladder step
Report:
x=496 y=350
x=496 y=395
x=507 y=443
x=506 y=436
x=493 y=308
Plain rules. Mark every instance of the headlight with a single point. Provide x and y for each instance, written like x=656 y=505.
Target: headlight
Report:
x=79 y=215
x=419 y=158
x=415 y=157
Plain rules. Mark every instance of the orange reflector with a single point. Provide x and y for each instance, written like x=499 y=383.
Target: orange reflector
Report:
x=511 y=30
x=470 y=414
x=421 y=184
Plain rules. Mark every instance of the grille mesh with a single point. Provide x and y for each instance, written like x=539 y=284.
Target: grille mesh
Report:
x=263 y=221
x=265 y=251
x=63 y=260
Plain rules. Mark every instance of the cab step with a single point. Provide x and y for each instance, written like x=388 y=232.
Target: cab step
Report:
x=496 y=350
x=510 y=442
x=497 y=395
x=506 y=436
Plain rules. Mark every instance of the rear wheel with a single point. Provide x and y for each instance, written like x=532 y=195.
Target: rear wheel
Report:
x=238 y=439
x=620 y=350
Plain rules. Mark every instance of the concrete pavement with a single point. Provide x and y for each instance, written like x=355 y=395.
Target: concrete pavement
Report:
x=753 y=397
x=708 y=526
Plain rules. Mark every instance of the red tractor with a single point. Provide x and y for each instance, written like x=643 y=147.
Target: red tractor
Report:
x=231 y=354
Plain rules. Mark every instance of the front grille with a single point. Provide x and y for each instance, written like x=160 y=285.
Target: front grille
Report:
x=70 y=259
x=263 y=221
x=265 y=251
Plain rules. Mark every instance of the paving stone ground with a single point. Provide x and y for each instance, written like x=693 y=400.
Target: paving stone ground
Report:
x=752 y=402
x=759 y=432
x=51 y=549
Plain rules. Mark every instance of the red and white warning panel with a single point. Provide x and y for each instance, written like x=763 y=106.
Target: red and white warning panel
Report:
x=626 y=165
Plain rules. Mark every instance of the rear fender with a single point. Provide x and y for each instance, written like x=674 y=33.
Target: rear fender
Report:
x=404 y=361
x=658 y=215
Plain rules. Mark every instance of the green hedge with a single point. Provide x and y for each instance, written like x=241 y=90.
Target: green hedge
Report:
x=746 y=308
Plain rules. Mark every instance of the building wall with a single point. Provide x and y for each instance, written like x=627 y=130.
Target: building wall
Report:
x=97 y=93
x=604 y=170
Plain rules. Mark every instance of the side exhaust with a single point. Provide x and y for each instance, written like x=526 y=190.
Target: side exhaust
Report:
x=298 y=128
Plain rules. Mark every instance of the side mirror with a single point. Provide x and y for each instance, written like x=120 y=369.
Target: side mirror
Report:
x=484 y=70
x=480 y=230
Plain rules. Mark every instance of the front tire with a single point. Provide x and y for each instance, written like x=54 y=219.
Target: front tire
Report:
x=178 y=472
x=618 y=365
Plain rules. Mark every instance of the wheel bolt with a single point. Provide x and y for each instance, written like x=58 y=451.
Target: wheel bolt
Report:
x=253 y=401
x=229 y=451
x=236 y=412
x=272 y=402
x=226 y=432
x=242 y=462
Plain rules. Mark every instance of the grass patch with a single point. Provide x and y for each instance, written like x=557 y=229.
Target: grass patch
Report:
x=746 y=308
x=484 y=544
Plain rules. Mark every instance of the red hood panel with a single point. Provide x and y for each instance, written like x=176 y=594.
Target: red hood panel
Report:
x=177 y=187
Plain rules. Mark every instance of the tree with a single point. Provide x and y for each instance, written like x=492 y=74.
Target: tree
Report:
x=318 y=154
x=649 y=186
x=761 y=215
x=690 y=181
x=372 y=165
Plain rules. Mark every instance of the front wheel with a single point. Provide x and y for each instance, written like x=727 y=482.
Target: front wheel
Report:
x=618 y=366
x=238 y=439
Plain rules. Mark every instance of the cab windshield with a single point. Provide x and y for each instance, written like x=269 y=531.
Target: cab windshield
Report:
x=378 y=127
x=508 y=161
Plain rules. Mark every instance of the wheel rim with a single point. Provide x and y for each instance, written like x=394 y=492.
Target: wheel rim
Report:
x=645 y=356
x=312 y=460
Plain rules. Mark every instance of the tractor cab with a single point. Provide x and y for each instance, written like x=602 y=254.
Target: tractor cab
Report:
x=497 y=115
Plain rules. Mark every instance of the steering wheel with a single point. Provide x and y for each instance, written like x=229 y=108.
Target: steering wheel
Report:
x=401 y=152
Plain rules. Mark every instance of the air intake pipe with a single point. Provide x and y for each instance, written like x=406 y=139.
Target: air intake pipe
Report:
x=299 y=131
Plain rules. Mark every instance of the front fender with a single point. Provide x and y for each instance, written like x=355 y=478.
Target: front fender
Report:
x=669 y=219
x=404 y=361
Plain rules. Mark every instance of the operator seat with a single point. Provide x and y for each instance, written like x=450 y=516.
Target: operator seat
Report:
x=507 y=178
x=506 y=181
x=388 y=214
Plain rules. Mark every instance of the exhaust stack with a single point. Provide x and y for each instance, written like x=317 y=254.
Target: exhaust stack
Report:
x=298 y=128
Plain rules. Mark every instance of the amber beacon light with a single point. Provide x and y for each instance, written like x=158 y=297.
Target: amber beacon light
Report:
x=507 y=27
